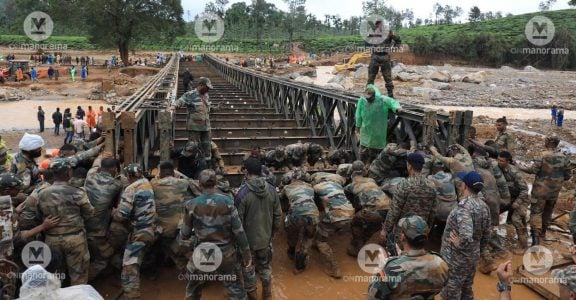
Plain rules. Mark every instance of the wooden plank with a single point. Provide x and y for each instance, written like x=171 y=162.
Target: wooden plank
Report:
x=108 y=126
x=128 y=124
x=429 y=127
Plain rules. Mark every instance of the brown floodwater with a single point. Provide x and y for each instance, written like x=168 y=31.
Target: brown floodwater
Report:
x=311 y=284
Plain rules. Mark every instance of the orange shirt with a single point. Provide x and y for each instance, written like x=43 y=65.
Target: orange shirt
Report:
x=91 y=118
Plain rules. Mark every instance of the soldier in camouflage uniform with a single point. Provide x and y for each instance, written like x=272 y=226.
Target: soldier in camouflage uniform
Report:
x=415 y=195
x=380 y=59
x=190 y=159
x=295 y=155
x=457 y=159
x=566 y=278
x=276 y=159
x=338 y=156
x=445 y=191
x=314 y=154
x=5 y=159
x=73 y=207
x=551 y=170
x=198 y=124
x=371 y=204
x=170 y=194
x=216 y=161
x=212 y=218
x=518 y=210
x=137 y=210
x=103 y=190
x=490 y=194
x=390 y=163
x=24 y=164
x=504 y=141
x=338 y=213
x=416 y=274
x=465 y=238
x=302 y=217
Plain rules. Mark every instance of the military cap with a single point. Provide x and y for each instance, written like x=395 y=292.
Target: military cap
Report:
x=9 y=180
x=59 y=163
x=414 y=226
x=133 y=169
x=207 y=178
x=279 y=153
x=189 y=149
x=344 y=170
x=298 y=174
x=314 y=148
x=416 y=159
x=566 y=277
x=206 y=81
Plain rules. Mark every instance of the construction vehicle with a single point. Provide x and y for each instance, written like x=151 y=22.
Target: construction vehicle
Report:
x=13 y=65
x=355 y=59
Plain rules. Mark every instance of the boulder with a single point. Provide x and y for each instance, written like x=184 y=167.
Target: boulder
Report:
x=361 y=73
x=436 y=85
x=334 y=86
x=476 y=77
x=398 y=68
x=304 y=79
x=337 y=79
x=408 y=77
x=456 y=78
x=431 y=68
x=427 y=93
x=492 y=85
x=530 y=69
x=442 y=76
x=310 y=73
x=347 y=83
x=506 y=68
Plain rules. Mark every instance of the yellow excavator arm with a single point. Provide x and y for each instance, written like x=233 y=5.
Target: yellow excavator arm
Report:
x=352 y=62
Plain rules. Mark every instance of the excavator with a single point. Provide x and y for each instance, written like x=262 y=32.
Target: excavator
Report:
x=355 y=59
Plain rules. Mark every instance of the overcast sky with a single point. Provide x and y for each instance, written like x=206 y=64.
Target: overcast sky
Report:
x=422 y=9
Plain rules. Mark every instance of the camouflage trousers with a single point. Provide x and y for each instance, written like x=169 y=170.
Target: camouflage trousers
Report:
x=325 y=229
x=541 y=211
x=261 y=263
x=101 y=252
x=459 y=282
x=74 y=248
x=131 y=262
x=300 y=232
x=518 y=218
x=228 y=268
x=494 y=205
x=166 y=247
x=367 y=155
x=381 y=63
x=364 y=224
x=202 y=138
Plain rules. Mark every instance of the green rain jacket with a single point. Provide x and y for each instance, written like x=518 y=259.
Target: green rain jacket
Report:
x=372 y=119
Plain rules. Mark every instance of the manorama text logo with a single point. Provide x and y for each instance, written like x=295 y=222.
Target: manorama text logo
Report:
x=540 y=31
x=38 y=26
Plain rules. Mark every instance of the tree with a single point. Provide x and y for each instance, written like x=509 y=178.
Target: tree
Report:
x=120 y=23
x=438 y=10
x=296 y=11
x=545 y=5
x=572 y=3
x=375 y=7
x=474 y=15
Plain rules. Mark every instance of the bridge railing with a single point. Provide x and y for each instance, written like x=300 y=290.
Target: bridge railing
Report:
x=142 y=124
x=331 y=113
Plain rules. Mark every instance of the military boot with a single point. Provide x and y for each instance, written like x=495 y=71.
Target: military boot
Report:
x=326 y=251
x=267 y=291
x=486 y=265
x=535 y=237
x=252 y=295
x=353 y=248
x=523 y=242
x=391 y=93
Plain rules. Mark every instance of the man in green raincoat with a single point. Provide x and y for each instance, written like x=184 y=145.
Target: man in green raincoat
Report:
x=372 y=122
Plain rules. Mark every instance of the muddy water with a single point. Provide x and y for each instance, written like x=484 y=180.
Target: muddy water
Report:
x=312 y=284
x=510 y=113
x=22 y=114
